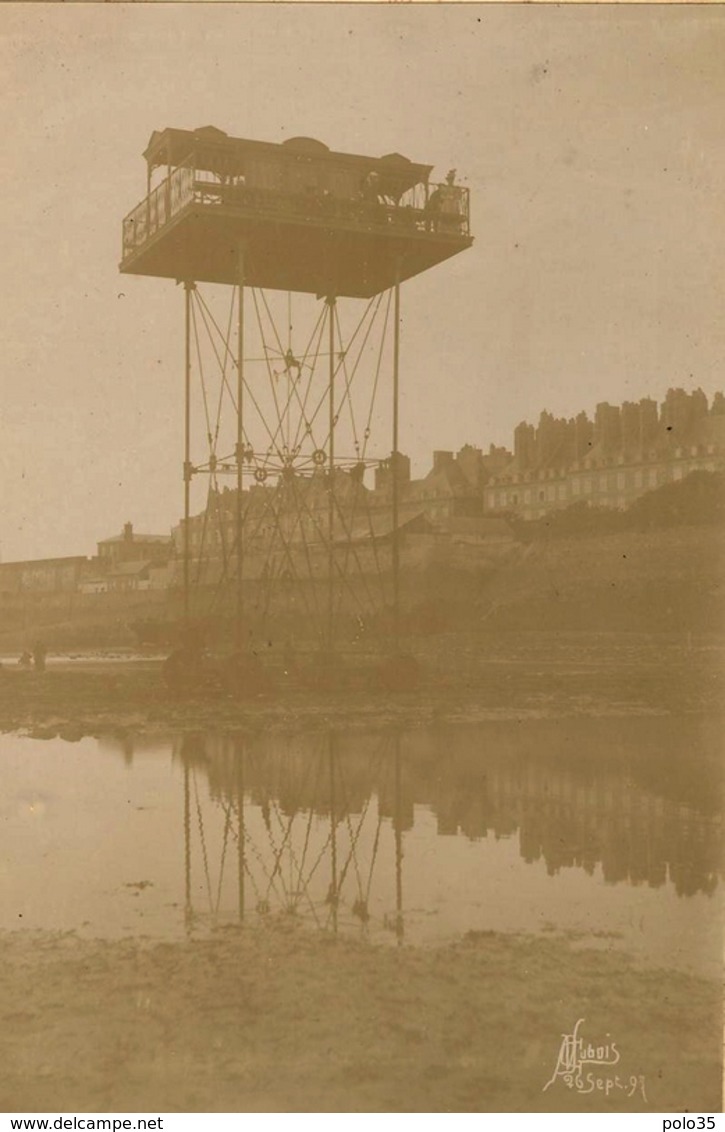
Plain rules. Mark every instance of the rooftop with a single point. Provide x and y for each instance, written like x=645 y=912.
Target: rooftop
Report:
x=134 y=537
x=128 y=569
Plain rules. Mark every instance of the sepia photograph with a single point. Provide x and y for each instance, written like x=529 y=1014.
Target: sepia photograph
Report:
x=362 y=518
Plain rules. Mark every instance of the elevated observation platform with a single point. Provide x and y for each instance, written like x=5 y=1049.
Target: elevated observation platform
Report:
x=303 y=217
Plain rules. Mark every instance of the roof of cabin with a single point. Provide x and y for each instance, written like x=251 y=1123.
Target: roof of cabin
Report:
x=173 y=146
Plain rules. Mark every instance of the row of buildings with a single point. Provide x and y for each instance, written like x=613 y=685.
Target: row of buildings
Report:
x=625 y=451
x=123 y=562
x=468 y=496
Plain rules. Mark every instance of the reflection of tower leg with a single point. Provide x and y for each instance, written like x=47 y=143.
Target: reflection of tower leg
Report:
x=395 y=476
x=187 y=848
x=398 y=845
x=331 y=484
x=333 y=832
x=240 y=813
x=240 y=453
x=188 y=288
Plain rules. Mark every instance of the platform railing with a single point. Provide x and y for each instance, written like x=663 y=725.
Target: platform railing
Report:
x=168 y=198
x=437 y=210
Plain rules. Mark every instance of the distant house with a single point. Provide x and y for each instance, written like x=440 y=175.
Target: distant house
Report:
x=93 y=585
x=451 y=489
x=127 y=577
x=43 y=575
x=446 y=492
x=159 y=576
x=132 y=547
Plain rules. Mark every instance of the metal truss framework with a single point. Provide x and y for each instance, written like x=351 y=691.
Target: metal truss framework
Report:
x=290 y=419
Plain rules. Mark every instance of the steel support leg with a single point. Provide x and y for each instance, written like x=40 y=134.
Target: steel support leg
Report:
x=396 y=469
x=188 y=288
x=333 y=829
x=241 y=863
x=331 y=304
x=398 y=845
x=187 y=848
x=239 y=634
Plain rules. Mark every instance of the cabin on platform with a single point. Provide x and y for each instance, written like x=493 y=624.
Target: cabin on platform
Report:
x=294 y=216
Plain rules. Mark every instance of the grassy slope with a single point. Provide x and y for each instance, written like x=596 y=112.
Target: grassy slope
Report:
x=661 y=581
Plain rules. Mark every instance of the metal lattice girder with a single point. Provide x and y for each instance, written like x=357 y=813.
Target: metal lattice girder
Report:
x=294 y=425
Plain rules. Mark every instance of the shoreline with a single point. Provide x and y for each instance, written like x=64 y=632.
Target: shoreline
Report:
x=466 y=678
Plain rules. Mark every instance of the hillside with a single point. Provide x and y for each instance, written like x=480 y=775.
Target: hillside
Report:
x=656 y=568
x=666 y=580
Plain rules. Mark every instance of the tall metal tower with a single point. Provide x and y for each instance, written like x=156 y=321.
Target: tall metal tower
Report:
x=290 y=389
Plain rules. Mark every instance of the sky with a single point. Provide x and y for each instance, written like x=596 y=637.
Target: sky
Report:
x=590 y=138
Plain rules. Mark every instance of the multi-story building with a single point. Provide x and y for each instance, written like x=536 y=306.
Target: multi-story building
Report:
x=609 y=461
x=624 y=452
x=451 y=490
x=129 y=546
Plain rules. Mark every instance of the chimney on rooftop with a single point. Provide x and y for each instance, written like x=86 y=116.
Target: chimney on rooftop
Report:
x=442 y=460
x=128 y=532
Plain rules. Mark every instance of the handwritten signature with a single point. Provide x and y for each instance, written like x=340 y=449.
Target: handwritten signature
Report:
x=579 y=1066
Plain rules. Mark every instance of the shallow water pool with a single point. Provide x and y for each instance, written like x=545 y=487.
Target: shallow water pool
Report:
x=606 y=828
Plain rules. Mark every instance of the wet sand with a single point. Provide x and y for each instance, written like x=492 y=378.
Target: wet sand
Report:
x=282 y=1019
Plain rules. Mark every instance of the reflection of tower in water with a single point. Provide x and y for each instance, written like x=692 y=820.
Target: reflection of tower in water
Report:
x=324 y=816
x=295 y=829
